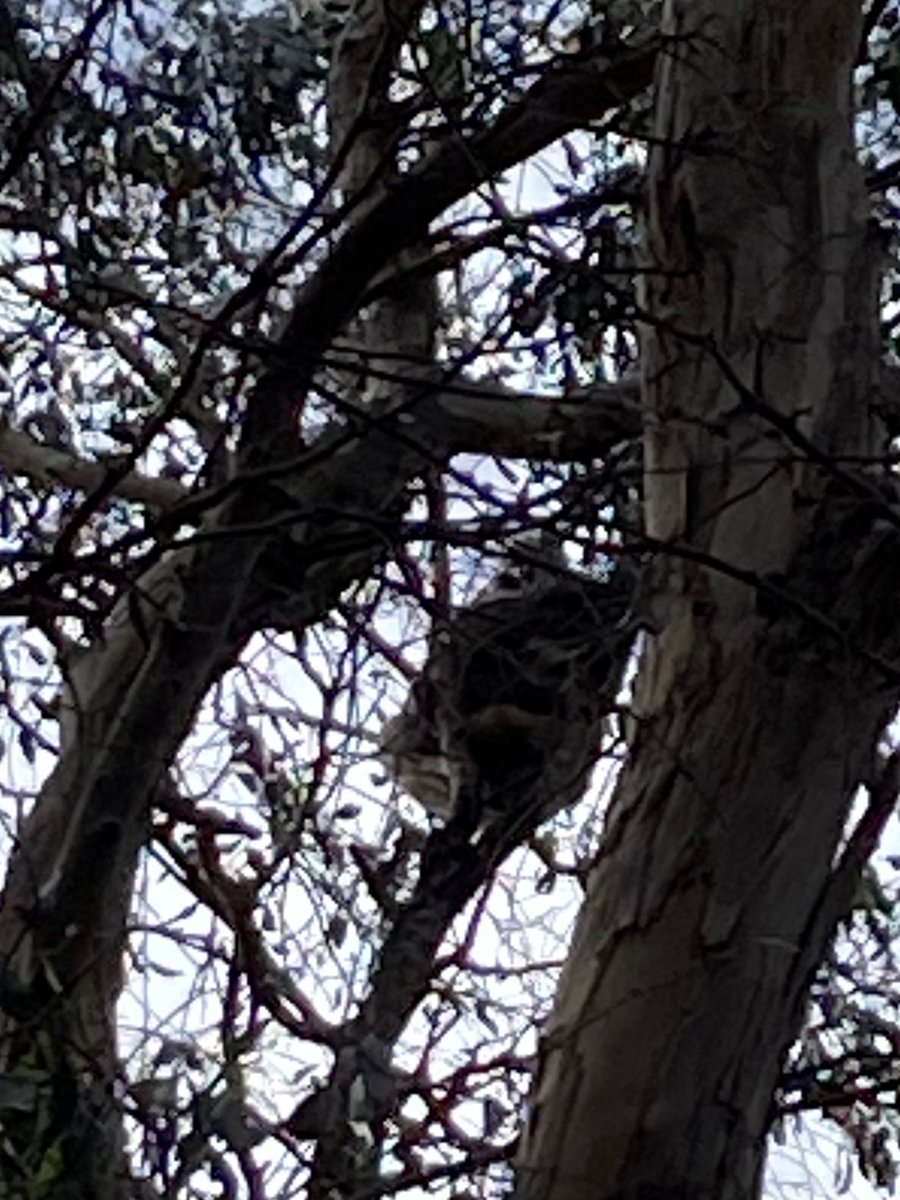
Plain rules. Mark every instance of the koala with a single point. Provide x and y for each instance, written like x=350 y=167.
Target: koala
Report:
x=514 y=694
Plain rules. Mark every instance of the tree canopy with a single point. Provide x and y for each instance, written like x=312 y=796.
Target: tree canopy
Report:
x=314 y=320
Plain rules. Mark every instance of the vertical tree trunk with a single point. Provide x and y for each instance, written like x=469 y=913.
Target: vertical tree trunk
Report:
x=761 y=696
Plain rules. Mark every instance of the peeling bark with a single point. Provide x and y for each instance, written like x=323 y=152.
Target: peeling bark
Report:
x=711 y=899
x=714 y=892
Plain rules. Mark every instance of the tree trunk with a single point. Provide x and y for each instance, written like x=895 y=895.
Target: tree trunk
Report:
x=294 y=528
x=768 y=679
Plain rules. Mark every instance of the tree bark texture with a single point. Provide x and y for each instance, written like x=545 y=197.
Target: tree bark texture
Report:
x=772 y=665
x=275 y=548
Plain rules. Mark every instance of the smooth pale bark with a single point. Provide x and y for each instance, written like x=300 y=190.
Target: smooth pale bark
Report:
x=758 y=707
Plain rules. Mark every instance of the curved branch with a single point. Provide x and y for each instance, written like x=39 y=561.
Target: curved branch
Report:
x=47 y=466
x=571 y=93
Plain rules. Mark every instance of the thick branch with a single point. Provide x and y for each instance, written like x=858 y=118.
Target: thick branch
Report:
x=68 y=890
x=491 y=419
x=572 y=93
x=46 y=466
x=484 y=417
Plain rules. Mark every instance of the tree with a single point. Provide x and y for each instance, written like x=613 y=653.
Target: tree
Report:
x=269 y=306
